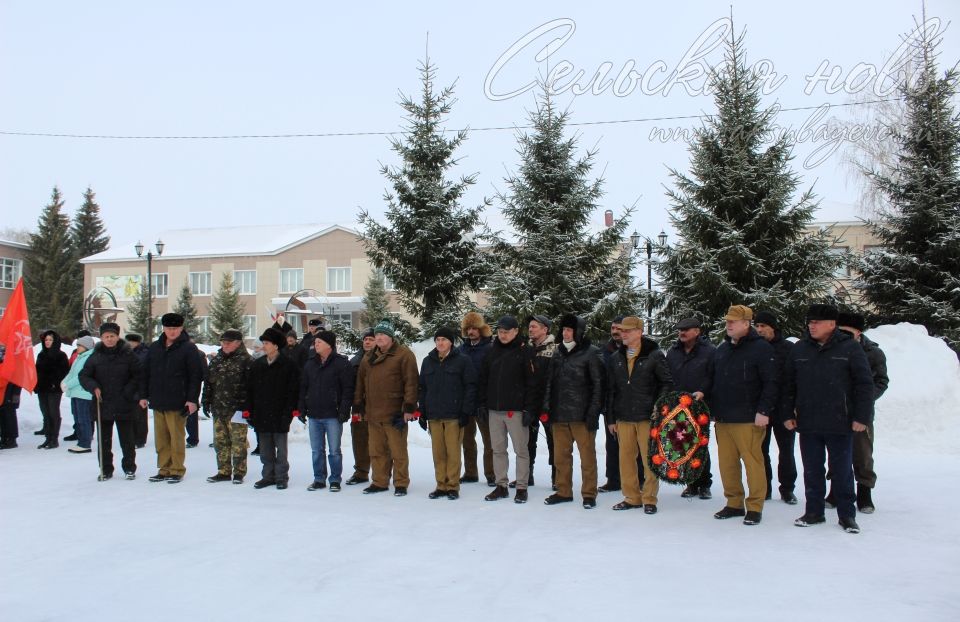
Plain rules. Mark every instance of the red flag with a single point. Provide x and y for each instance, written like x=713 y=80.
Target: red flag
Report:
x=18 y=365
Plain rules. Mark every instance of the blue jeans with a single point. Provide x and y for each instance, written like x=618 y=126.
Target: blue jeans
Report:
x=81 y=413
x=325 y=432
x=838 y=449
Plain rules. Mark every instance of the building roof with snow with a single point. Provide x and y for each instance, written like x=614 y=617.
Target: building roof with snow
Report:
x=243 y=241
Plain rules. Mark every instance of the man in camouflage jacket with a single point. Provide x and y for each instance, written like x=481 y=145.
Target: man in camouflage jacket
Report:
x=225 y=394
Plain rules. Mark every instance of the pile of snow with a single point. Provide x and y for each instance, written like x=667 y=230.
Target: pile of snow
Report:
x=924 y=395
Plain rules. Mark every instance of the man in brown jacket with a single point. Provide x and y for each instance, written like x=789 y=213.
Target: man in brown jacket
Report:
x=386 y=398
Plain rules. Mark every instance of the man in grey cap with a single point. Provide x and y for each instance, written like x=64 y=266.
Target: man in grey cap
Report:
x=691 y=366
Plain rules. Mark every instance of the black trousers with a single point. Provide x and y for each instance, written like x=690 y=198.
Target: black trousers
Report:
x=786 y=463
x=50 y=409
x=193 y=429
x=9 y=430
x=128 y=447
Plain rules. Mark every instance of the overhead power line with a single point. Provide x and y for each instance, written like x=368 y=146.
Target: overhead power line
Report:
x=396 y=132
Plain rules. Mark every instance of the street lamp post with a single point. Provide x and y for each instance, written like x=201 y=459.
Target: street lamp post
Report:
x=635 y=239
x=139 y=248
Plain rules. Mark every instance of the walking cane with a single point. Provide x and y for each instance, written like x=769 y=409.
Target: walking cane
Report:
x=100 y=443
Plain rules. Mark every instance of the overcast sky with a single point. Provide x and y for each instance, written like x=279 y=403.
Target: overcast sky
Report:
x=240 y=68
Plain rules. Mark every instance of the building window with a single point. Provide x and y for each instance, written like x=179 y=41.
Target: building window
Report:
x=291 y=280
x=2 y=311
x=161 y=285
x=343 y=319
x=249 y=326
x=387 y=281
x=201 y=283
x=203 y=328
x=10 y=271
x=338 y=280
x=842 y=271
x=245 y=281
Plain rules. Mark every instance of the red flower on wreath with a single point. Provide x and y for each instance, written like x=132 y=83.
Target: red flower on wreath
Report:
x=695 y=463
x=703 y=441
x=657 y=459
x=673 y=474
x=703 y=420
x=654 y=432
x=685 y=400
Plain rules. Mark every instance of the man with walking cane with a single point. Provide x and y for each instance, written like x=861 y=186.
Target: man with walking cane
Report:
x=112 y=375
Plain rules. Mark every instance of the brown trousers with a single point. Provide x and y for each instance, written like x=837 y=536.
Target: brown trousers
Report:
x=360 y=439
x=446 y=437
x=634 y=438
x=169 y=434
x=470 y=448
x=564 y=435
x=388 y=452
x=736 y=443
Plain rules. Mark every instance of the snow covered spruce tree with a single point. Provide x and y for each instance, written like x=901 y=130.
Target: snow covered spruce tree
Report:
x=49 y=275
x=428 y=248
x=916 y=276
x=738 y=216
x=226 y=310
x=138 y=314
x=556 y=265
x=88 y=236
x=191 y=323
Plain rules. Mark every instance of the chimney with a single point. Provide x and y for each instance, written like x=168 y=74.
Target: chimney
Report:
x=608 y=218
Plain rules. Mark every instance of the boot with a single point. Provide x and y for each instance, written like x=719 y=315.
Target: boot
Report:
x=864 y=500
x=499 y=492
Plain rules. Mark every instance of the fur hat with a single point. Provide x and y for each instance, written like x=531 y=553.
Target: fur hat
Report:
x=171 y=320
x=110 y=327
x=274 y=336
x=822 y=312
x=132 y=337
x=475 y=320
x=852 y=320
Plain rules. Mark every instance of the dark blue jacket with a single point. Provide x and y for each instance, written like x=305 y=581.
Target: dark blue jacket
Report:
x=448 y=388
x=272 y=391
x=781 y=350
x=631 y=397
x=827 y=388
x=172 y=376
x=692 y=371
x=326 y=388
x=476 y=353
x=744 y=380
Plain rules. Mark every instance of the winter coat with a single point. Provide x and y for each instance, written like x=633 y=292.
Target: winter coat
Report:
x=781 y=350
x=692 y=371
x=448 y=388
x=476 y=353
x=172 y=376
x=297 y=354
x=542 y=355
x=141 y=351
x=506 y=380
x=574 y=391
x=631 y=396
x=326 y=387
x=827 y=387
x=225 y=390
x=272 y=393
x=878 y=366
x=72 y=380
x=744 y=380
x=52 y=365
x=11 y=396
x=387 y=384
x=116 y=372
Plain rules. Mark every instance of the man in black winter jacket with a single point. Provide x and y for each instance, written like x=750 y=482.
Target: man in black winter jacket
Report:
x=359 y=434
x=573 y=401
x=112 y=375
x=326 y=395
x=447 y=398
x=477 y=341
x=741 y=400
x=140 y=426
x=691 y=366
x=273 y=388
x=505 y=402
x=637 y=376
x=170 y=385
x=863 y=470
x=827 y=396
x=768 y=328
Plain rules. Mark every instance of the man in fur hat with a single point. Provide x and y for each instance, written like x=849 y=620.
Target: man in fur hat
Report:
x=477 y=338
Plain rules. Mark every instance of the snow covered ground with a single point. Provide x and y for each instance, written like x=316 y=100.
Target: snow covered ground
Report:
x=75 y=549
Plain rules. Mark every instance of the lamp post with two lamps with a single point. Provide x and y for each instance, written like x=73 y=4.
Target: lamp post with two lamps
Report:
x=635 y=240
x=139 y=249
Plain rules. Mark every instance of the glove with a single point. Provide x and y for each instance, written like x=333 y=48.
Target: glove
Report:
x=343 y=417
x=544 y=417
x=185 y=412
x=528 y=419
x=483 y=414
x=423 y=423
x=463 y=420
x=355 y=418
x=593 y=424
x=398 y=422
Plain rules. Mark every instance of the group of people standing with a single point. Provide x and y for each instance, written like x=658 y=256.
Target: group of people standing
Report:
x=758 y=386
